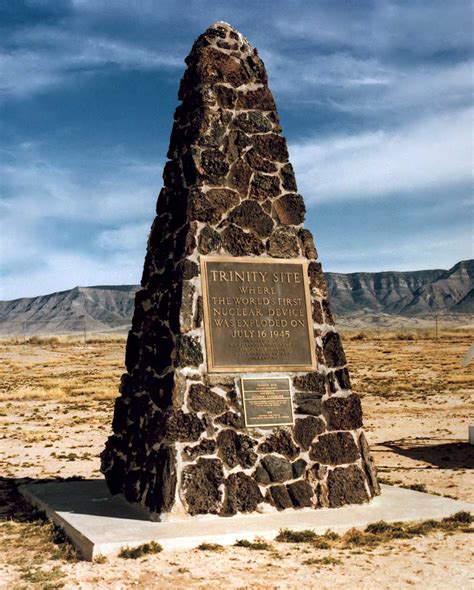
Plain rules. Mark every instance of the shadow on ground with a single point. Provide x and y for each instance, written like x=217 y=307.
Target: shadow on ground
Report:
x=445 y=455
x=74 y=495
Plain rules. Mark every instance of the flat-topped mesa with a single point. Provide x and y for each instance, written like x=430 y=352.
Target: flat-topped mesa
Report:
x=181 y=443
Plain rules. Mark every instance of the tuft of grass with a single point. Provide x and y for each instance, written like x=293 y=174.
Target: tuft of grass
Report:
x=328 y=560
x=258 y=544
x=141 y=550
x=289 y=536
x=100 y=559
x=210 y=547
x=378 y=532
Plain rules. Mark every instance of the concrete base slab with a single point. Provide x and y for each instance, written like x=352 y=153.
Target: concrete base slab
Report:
x=100 y=524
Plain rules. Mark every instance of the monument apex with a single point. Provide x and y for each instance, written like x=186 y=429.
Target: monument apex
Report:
x=237 y=395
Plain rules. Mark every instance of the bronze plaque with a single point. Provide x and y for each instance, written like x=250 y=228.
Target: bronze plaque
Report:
x=267 y=402
x=257 y=314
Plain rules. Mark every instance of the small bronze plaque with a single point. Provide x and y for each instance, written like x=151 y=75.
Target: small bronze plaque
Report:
x=267 y=402
x=257 y=314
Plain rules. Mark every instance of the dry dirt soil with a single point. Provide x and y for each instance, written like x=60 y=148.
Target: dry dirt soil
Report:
x=56 y=400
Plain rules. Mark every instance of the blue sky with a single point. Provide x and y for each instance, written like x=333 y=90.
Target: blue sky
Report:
x=375 y=99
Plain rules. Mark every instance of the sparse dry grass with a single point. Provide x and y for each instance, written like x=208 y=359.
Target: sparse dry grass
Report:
x=56 y=402
x=60 y=369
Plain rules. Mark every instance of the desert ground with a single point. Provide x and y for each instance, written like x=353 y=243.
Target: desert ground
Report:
x=56 y=400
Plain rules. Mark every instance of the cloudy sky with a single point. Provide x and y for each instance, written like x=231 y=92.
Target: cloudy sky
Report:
x=375 y=99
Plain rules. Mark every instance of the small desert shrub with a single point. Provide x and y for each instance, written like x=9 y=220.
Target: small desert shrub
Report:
x=210 y=547
x=258 y=545
x=100 y=559
x=141 y=550
x=289 y=536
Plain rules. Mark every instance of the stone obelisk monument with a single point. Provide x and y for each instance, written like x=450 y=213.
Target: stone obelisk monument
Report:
x=237 y=395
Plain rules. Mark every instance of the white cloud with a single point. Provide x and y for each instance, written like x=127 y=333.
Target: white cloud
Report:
x=432 y=248
x=63 y=270
x=431 y=153
x=48 y=57
x=127 y=238
x=35 y=189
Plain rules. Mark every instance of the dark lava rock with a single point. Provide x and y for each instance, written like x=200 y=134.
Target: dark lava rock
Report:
x=201 y=483
x=214 y=165
x=369 y=465
x=161 y=492
x=175 y=425
x=209 y=240
x=308 y=403
x=334 y=448
x=239 y=243
x=301 y=494
x=278 y=469
x=306 y=429
x=314 y=382
x=250 y=215
x=188 y=351
x=205 y=447
x=280 y=497
x=343 y=413
x=186 y=270
x=119 y=421
x=307 y=244
x=288 y=178
x=256 y=99
x=290 y=209
x=236 y=449
x=342 y=376
x=298 y=467
x=198 y=313
x=239 y=177
x=231 y=419
x=271 y=146
x=253 y=122
x=226 y=97
x=260 y=164
x=242 y=494
x=316 y=278
x=112 y=465
x=203 y=399
x=264 y=186
x=346 y=485
x=333 y=351
x=261 y=475
x=209 y=206
x=283 y=244
x=280 y=442
x=317 y=312
x=133 y=485
x=327 y=312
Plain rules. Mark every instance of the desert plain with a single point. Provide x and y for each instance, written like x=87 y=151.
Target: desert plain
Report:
x=56 y=402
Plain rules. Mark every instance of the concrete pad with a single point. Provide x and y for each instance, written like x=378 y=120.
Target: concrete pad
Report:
x=100 y=524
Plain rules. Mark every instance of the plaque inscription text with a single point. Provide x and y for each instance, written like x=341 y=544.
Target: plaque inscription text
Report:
x=267 y=402
x=257 y=314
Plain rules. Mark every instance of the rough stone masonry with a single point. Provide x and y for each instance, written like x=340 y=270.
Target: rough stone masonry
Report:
x=179 y=445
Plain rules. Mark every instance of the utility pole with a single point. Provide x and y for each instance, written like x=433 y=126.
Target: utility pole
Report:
x=85 y=330
x=436 y=328
x=24 y=331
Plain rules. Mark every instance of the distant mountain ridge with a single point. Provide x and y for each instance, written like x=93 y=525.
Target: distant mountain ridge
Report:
x=357 y=299
x=408 y=293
